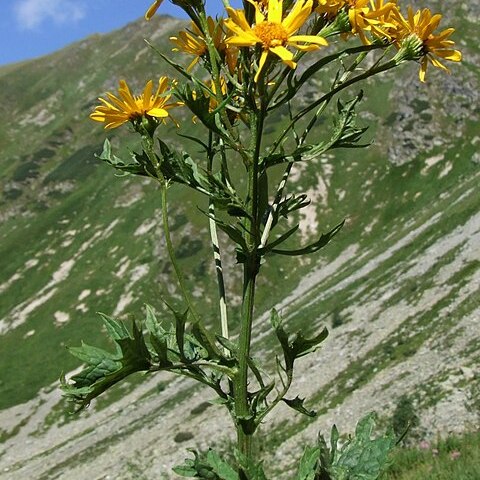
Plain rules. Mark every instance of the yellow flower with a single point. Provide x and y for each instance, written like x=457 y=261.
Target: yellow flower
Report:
x=374 y=16
x=152 y=9
x=330 y=8
x=422 y=24
x=127 y=107
x=273 y=32
x=194 y=42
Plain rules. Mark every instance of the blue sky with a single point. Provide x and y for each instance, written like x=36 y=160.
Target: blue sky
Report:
x=31 y=28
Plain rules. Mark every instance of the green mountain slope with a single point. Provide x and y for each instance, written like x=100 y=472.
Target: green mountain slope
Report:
x=399 y=286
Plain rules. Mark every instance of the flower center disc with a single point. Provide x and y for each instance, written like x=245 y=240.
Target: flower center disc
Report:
x=271 y=34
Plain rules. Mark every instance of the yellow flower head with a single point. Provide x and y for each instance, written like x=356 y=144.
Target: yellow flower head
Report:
x=194 y=42
x=422 y=24
x=273 y=30
x=125 y=107
x=152 y=9
x=329 y=8
x=374 y=16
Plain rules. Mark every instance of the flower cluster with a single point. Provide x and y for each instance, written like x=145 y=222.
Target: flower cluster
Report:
x=275 y=33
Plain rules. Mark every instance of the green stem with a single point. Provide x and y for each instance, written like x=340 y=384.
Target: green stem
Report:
x=278 y=198
x=382 y=68
x=171 y=251
x=245 y=420
x=149 y=150
x=232 y=137
x=216 y=250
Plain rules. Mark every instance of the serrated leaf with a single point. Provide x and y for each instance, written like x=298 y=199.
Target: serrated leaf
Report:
x=297 y=404
x=220 y=467
x=291 y=204
x=297 y=348
x=308 y=464
x=334 y=437
x=314 y=247
x=206 y=466
x=104 y=369
x=282 y=238
x=302 y=346
x=135 y=168
x=261 y=395
x=361 y=457
x=226 y=343
x=206 y=340
x=180 y=322
x=158 y=337
x=252 y=469
x=282 y=336
x=185 y=470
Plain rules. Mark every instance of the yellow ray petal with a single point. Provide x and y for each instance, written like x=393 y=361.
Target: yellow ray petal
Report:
x=158 y=112
x=152 y=9
x=285 y=55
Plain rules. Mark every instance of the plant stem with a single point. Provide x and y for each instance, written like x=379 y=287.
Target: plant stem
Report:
x=245 y=418
x=149 y=150
x=373 y=71
x=278 y=198
x=171 y=251
x=216 y=252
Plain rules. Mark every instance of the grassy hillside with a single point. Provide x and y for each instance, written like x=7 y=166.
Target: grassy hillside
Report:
x=398 y=287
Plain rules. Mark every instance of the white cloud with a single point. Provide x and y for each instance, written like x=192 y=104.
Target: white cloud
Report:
x=32 y=13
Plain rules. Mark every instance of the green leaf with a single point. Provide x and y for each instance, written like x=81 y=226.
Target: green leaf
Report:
x=206 y=466
x=334 y=438
x=291 y=204
x=361 y=457
x=259 y=398
x=314 y=247
x=139 y=166
x=346 y=134
x=282 y=337
x=308 y=464
x=206 y=340
x=180 y=322
x=221 y=468
x=199 y=103
x=226 y=343
x=300 y=345
x=158 y=337
x=279 y=240
x=233 y=232
x=252 y=469
x=104 y=369
x=296 y=82
x=180 y=168
x=297 y=404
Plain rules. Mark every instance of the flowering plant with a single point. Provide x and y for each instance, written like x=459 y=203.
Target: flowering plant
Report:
x=245 y=67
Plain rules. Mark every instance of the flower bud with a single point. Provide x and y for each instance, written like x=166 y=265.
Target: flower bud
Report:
x=342 y=22
x=411 y=48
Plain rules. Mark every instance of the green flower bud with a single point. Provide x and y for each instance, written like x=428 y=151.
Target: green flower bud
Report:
x=411 y=48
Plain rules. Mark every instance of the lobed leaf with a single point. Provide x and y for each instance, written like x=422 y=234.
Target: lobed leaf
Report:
x=313 y=247
x=299 y=346
x=104 y=369
x=297 y=404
